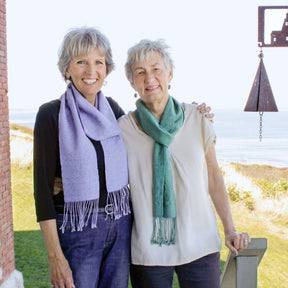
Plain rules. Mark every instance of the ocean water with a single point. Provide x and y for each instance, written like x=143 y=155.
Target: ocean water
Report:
x=22 y=117
x=237 y=135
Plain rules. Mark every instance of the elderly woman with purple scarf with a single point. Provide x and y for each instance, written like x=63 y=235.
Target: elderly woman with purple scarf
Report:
x=77 y=141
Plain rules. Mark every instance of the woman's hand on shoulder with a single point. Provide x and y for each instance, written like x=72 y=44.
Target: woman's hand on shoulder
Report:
x=205 y=110
x=237 y=242
x=58 y=185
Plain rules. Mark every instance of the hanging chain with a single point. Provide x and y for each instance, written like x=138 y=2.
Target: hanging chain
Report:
x=261 y=54
x=260 y=127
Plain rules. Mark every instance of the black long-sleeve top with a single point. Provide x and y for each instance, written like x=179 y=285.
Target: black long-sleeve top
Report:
x=47 y=160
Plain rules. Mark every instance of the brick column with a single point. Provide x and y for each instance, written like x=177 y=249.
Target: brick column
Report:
x=8 y=276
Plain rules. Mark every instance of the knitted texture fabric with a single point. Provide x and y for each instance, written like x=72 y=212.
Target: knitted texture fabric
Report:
x=79 y=121
x=163 y=132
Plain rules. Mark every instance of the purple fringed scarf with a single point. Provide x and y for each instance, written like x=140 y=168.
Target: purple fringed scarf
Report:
x=78 y=120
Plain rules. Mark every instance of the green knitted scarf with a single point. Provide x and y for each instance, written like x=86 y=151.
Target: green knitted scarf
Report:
x=163 y=132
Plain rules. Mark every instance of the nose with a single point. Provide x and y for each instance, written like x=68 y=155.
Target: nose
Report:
x=148 y=77
x=90 y=69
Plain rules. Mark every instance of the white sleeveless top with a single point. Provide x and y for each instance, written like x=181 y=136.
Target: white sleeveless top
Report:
x=197 y=232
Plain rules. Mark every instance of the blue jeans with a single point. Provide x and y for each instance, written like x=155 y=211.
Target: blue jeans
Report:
x=99 y=257
x=201 y=273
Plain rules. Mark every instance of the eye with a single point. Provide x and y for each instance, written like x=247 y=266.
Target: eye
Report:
x=98 y=62
x=81 y=62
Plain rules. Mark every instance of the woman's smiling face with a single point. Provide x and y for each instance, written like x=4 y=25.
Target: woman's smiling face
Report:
x=151 y=79
x=88 y=72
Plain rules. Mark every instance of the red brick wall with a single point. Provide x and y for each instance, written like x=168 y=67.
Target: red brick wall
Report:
x=7 y=263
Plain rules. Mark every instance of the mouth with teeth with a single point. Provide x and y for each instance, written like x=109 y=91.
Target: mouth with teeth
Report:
x=89 y=81
x=151 y=88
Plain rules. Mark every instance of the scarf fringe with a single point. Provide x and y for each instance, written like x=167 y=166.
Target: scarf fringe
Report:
x=164 y=231
x=119 y=200
x=78 y=214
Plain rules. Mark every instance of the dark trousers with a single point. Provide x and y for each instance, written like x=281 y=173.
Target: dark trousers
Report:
x=201 y=273
x=99 y=257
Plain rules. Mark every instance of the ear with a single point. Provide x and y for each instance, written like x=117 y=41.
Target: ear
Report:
x=67 y=74
x=170 y=77
x=133 y=86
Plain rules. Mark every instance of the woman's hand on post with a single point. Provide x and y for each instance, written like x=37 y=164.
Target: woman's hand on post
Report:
x=237 y=242
x=205 y=110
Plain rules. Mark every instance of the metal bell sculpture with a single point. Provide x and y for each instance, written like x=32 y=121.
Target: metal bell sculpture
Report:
x=261 y=97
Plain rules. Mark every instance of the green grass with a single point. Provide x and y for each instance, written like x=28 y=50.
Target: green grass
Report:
x=272 y=270
x=30 y=251
x=31 y=258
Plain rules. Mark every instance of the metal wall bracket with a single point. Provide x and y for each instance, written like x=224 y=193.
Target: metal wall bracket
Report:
x=278 y=38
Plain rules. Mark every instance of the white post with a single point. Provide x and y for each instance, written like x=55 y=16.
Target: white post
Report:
x=241 y=271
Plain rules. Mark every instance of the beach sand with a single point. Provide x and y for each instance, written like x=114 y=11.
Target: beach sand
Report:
x=21 y=147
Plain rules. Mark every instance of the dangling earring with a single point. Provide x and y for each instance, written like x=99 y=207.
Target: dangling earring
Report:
x=104 y=83
x=135 y=95
x=169 y=86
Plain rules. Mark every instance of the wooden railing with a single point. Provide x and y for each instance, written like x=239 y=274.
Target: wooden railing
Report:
x=241 y=271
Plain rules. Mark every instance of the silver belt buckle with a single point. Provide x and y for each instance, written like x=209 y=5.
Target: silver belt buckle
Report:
x=109 y=209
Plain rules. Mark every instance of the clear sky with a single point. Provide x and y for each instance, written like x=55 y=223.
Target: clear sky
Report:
x=213 y=44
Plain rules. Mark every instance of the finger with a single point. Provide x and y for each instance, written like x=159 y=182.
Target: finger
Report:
x=244 y=241
x=247 y=239
x=236 y=242
x=69 y=283
x=232 y=248
x=201 y=106
x=207 y=109
x=242 y=244
x=210 y=115
x=59 y=284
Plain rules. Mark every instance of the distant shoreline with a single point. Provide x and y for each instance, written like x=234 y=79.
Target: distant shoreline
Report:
x=29 y=131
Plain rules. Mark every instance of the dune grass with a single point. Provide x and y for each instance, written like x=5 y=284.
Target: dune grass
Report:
x=260 y=172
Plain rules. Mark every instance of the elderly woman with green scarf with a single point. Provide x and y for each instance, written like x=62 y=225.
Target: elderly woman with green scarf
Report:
x=173 y=173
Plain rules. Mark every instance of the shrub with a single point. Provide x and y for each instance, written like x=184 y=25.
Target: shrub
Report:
x=272 y=189
x=250 y=203
x=237 y=195
x=233 y=193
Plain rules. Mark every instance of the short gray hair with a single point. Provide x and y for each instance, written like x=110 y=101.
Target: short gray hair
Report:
x=142 y=50
x=81 y=41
